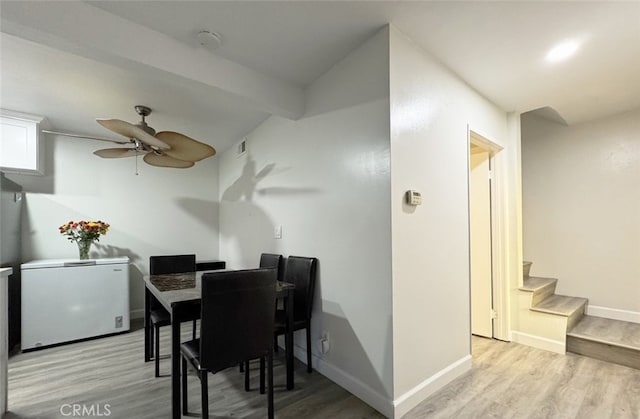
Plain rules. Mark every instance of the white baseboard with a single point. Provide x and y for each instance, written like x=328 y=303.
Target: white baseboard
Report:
x=539 y=342
x=389 y=408
x=413 y=397
x=614 y=313
x=137 y=314
x=350 y=383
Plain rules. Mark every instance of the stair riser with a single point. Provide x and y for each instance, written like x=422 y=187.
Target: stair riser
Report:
x=526 y=266
x=541 y=294
x=575 y=318
x=605 y=352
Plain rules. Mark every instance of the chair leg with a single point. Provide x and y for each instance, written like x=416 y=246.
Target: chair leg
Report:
x=185 y=410
x=157 y=350
x=309 y=369
x=194 y=330
x=205 y=394
x=247 y=387
x=151 y=349
x=262 y=375
x=270 y=409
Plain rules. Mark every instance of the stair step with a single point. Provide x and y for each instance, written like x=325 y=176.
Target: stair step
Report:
x=535 y=283
x=526 y=268
x=561 y=305
x=606 y=339
x=609 y=331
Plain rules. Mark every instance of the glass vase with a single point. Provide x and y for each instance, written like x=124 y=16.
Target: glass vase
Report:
x=83 y=248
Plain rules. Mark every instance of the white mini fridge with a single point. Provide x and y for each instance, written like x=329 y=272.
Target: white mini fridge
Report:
x=69 y=299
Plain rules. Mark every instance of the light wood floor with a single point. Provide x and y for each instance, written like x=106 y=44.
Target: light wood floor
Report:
x=112 y=371
x=507 y=381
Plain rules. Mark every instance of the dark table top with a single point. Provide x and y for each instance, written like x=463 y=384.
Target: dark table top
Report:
x=185 y=287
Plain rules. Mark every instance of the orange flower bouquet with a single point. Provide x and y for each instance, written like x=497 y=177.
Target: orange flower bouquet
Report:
x=84 y=233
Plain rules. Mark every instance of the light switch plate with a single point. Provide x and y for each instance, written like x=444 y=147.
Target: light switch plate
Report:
x=277 y=232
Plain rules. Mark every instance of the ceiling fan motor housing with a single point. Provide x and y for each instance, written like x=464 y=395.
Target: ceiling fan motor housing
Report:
x=144 y=111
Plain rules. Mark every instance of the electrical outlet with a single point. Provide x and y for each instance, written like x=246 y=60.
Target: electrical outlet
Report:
x=277 y=232
x=324 y=344
x=118 y=322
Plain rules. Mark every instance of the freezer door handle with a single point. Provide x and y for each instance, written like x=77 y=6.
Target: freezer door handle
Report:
x=81 y=263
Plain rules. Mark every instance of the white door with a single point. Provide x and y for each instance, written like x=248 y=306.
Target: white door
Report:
x=480 y=231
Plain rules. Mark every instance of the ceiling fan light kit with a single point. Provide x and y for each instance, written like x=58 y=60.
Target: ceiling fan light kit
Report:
x=161 y=149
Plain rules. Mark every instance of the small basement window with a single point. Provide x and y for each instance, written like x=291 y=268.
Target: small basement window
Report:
x=20 y=143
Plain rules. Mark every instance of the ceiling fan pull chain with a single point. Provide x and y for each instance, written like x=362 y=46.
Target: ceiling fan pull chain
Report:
x=137 y=162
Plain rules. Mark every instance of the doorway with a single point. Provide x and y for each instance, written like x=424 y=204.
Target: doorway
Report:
x=481 y=238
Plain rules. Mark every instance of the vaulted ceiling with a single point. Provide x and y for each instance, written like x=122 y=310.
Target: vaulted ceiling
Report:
x=75 y=61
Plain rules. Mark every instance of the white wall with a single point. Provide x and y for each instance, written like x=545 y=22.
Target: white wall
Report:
x=10 y=220
x=325 y=178
x=430 y=111
x=581 y=202
x=160 y=211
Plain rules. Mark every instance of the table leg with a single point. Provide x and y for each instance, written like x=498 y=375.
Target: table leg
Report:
x=288 y=339
x=147 y=325
x=175 y=364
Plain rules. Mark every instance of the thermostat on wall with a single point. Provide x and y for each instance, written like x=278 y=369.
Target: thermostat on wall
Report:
x=413 y=197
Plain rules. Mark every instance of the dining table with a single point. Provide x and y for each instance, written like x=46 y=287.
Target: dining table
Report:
x=180 y=294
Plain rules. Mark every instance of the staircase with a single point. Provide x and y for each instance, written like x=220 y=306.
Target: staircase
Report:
x=596 y=337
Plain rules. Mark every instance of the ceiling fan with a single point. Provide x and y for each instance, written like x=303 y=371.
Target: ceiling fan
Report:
x=162 y=149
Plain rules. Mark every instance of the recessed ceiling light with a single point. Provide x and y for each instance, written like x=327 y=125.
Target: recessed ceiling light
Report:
x=209 y=40
x=562 y=51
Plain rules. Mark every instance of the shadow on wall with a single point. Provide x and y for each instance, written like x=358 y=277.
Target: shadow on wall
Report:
x=136 y=287
x=245 y=185
x=42 y=240
x=109 y=251
x=330 y=316
x=247 y=229
x=27 y=232
x=206 y=212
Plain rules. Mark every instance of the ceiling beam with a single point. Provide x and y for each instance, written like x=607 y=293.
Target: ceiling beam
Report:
x=87 y=31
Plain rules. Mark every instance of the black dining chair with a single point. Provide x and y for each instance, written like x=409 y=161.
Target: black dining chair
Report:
x=236 y=324
x=271 y=260
x=300 y=271
x=274 y=261
x=158 y=315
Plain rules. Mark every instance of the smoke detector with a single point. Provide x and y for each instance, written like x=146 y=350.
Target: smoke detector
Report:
x=209 y=40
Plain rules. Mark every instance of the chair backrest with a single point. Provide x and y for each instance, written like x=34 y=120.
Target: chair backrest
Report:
x=270 y=260
x=301 y=271
x=237 y=316
x=172 y=264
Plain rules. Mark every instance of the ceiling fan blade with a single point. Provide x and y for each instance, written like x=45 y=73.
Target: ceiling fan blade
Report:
x=165 y=161
x=185 y=148
x=88 y=137
x=116 y=153
x=128 y=130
